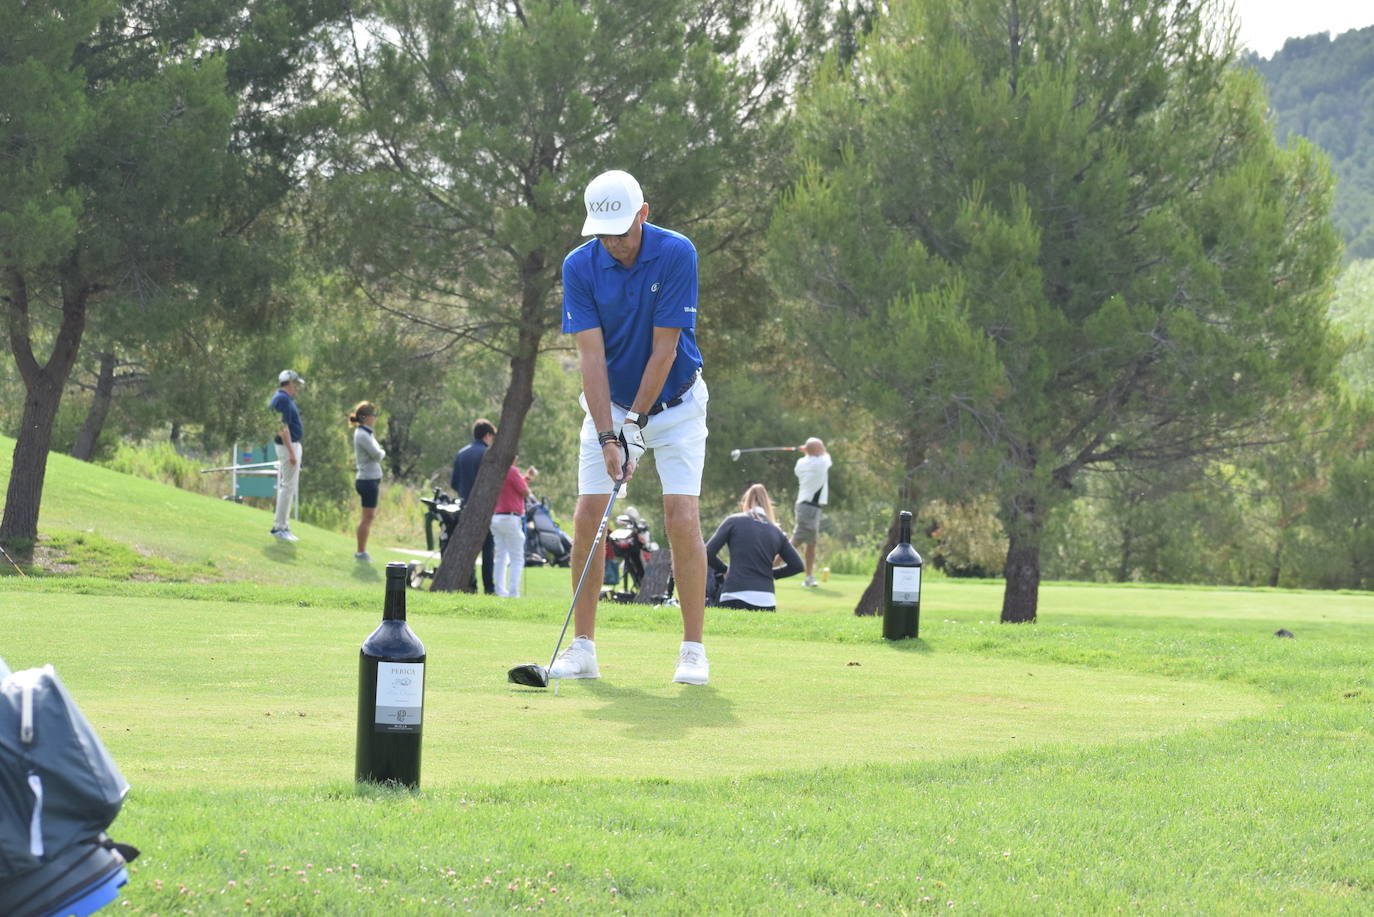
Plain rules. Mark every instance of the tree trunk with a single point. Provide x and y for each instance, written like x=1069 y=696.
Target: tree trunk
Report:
x=656 y=576
x=871 y=602
x=466 y=543
x=84 y=447
x=43 y=394
x=1022 y=593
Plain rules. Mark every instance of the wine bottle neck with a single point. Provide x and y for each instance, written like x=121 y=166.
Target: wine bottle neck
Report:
x=905 y=528
x=395 y=607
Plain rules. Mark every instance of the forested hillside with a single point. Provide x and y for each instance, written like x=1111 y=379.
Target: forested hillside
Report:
x=1323 y=89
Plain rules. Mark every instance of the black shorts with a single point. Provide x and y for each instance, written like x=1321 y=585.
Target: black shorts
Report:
x=369 y=491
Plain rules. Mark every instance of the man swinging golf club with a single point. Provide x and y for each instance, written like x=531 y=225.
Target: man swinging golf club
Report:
x=630 y=302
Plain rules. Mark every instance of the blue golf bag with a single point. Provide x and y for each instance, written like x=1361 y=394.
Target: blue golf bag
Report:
x=59 y=791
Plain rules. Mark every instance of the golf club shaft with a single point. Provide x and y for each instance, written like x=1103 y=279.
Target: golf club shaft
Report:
x=591 y=558
x=12 y=563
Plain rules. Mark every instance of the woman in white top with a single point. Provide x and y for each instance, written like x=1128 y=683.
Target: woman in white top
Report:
x=368 y=483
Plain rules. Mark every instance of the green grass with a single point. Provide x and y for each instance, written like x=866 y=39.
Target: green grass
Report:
x=1140 y=749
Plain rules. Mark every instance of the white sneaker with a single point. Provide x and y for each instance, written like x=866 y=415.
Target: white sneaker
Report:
x=363 y=556
x=286 y=535
x=577 y=661
x=810 y=581
x=692 y=666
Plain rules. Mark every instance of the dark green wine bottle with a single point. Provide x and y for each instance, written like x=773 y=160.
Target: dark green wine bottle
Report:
x=391 y=693
x=902 y=587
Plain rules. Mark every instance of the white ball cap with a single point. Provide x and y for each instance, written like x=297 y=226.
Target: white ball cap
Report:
x=290 y=375
x=613 y=200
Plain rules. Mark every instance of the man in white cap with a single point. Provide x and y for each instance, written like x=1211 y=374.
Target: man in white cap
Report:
x=630 y=302
x=288 y=440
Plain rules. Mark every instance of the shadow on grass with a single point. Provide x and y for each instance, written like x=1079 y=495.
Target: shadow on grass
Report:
x=283 y=552
x=653 y=717
x=910 y=645
x=366 y=573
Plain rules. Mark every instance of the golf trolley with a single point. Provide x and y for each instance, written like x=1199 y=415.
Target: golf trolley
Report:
x=444 y=510
x=545 y=542
x=629 y=548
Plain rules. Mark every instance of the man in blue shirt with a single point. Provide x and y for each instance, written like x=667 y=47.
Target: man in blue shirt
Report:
x=465 y=465
x=288 y=441
x=630 y=302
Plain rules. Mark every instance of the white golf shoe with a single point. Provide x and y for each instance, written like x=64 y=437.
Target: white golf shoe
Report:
x=692 y=665
x=577 y=661
x=810 y=582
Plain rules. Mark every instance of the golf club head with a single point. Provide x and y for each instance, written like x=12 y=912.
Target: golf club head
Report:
x=531 y=675
x=734 y=455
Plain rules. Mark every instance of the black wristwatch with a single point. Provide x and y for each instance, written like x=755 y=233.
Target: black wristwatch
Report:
x=634 y=417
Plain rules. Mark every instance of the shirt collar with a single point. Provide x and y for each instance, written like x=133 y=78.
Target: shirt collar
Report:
x=649 y=247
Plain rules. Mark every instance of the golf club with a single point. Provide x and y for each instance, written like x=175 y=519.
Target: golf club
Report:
x=736 y=453
x=532 y=674
x=12 y=563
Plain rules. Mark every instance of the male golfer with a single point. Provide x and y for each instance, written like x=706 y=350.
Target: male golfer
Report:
x=465 y=465
x=288 y=440
x=630 y=302
x=813 y=492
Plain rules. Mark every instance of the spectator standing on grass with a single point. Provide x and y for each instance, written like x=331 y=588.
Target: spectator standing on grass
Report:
x=288 y=442
x=465 y=465
x=754 y=540
x=368 y=455
x=813 y=492
x=630 y=303
x=508 y=531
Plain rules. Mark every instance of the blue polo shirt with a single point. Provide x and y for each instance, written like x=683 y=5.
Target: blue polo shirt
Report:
x=285 y=405
x=627 y=304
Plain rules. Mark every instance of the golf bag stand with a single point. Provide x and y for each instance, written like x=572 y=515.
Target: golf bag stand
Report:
x=59 y=791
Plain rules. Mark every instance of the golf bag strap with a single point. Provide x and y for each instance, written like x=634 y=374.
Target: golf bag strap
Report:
x=26 y=714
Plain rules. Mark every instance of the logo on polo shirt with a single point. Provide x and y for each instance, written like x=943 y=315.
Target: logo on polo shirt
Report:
x=653 y=289
x=605 y=205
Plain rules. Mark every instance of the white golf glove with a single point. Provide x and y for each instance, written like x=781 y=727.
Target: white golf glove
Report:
x=632 y=441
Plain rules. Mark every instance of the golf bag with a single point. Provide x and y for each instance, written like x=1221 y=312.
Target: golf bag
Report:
x=545 y=542
x=629 y=548
x=59 y=791
x=444 y=510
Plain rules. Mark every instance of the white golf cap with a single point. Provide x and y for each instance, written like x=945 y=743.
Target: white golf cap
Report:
x=290 y=375
x=613 y=200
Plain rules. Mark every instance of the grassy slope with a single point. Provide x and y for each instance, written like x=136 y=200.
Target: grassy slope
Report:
x=796 y=781
x=176 y=534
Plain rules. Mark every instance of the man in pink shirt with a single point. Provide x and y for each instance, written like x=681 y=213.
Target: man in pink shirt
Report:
x=508 y=532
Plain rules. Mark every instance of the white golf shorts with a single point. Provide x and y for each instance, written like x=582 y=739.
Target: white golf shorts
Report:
x=676 y=436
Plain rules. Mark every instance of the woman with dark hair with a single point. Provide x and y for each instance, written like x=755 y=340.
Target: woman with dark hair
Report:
x=754 y=542
x=368 y=483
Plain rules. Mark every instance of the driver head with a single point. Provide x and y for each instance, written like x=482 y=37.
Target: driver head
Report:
x=531 y=675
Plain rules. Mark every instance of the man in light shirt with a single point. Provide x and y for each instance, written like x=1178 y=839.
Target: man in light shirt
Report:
x=813 y=492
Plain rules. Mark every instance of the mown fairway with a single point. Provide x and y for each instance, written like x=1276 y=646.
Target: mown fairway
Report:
x=1141 y=749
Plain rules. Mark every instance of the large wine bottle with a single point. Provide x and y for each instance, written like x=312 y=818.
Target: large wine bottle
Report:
x=902 y=587
x=391 y=693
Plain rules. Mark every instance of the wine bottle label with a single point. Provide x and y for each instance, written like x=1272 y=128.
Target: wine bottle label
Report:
x=906 y=584
x=400 y=696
